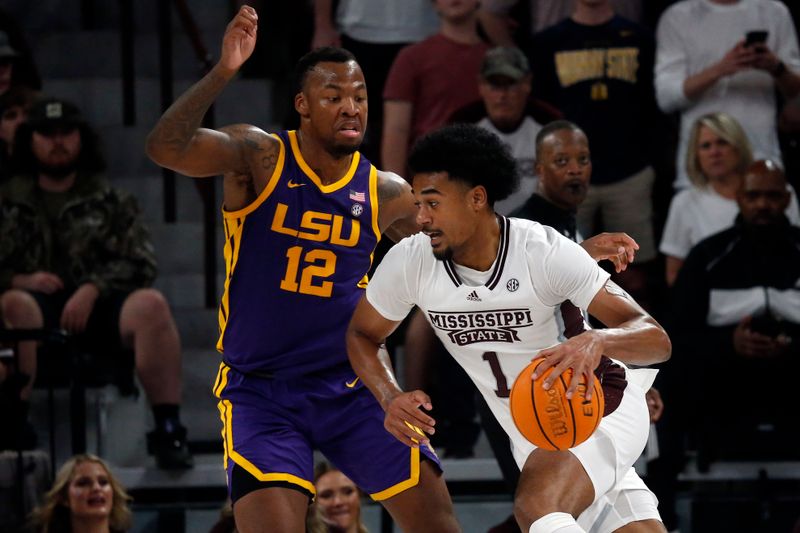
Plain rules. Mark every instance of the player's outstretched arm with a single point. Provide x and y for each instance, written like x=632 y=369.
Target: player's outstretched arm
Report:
x=177 y=141
x=365 y=340
x=619 y=248
x=397 y=212
x=632 y=336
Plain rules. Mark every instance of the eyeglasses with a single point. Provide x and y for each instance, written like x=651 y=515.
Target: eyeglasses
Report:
x=6 y=61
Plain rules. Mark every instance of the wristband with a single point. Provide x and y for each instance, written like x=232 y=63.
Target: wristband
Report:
x=779 y=70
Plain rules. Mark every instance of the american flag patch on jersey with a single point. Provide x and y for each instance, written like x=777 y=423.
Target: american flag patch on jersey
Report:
x=357 y=196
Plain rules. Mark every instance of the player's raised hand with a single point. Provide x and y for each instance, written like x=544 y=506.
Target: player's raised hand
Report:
x=239 y=39
x=406 y=420
x=581 y=353
x=619 y=248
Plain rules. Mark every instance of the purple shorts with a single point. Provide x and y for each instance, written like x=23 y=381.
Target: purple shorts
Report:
x=272 y=426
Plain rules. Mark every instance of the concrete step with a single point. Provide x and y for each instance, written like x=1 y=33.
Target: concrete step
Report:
x=149 y=191
x=187 y=291
x=100 y=99
x=198 y=327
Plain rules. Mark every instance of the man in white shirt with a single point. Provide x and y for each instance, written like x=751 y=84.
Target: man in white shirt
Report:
x=704 y=63
x=489 y=286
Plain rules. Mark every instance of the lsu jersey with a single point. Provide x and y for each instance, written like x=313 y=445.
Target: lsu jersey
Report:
x=494 y=322
x=296 y=261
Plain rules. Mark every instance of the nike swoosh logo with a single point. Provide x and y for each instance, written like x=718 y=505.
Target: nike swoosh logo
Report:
x=293 y=185
x=350 y=384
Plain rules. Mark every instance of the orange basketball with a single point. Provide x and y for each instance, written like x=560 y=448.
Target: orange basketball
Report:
x=548 y=418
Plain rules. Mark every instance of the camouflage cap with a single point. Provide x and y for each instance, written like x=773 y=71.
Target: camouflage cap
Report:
x=505 y=61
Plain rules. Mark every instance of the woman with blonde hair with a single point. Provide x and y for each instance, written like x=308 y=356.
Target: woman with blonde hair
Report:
x=337 y=506
x=85 y=498
x=717 y=157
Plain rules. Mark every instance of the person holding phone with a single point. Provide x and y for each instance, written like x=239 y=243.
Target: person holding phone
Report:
x=727 y=55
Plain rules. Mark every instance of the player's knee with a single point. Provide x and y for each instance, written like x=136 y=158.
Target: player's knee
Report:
x=19 y=309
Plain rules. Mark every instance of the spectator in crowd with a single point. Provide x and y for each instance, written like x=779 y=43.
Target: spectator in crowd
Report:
x=510 y=22
x=505 y=89
x=374 y=32
x=596 y=67
x=85 y=498
x=430 y=80
x=7 y=58
x=12 y=37
x=14 y=105
x=717 y=155
x=737 y=314
x=75 y=256
x=705 y=63
x=337 y=508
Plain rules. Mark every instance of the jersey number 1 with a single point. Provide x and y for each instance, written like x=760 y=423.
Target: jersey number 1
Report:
x=321 y=264
x=502 y=390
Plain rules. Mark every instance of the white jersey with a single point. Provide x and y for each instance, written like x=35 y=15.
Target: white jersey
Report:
x=493 y=323
x=509 y=311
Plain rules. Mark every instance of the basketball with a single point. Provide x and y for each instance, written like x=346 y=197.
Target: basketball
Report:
x=548 y=418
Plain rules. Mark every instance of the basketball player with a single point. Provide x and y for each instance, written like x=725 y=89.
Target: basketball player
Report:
x=489 y=286
x=302 y=214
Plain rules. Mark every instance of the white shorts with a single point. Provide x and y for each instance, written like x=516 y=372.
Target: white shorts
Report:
x=620 y=496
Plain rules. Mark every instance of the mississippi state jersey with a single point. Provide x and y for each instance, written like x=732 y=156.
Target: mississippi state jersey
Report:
x=296 y=262
x=493 y=322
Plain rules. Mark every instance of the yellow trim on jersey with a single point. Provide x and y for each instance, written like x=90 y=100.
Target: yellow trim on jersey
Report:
x=234 y=229
x=271 y=184
x=336 y=185
x=224 y=409
x=226 y=415
x=233 y=224
x=373 y=200
x=412 y=481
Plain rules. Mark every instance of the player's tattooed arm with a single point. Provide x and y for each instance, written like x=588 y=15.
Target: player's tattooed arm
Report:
x=180 y=143
x=258 y=157
x=397 y=212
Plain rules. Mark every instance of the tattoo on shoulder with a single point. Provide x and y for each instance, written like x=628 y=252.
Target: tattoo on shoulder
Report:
x=616 y=290
x=389 y=189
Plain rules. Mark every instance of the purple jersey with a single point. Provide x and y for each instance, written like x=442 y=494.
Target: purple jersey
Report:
x=296 y=262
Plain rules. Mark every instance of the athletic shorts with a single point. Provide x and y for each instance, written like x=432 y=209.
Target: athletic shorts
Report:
x=271 y=428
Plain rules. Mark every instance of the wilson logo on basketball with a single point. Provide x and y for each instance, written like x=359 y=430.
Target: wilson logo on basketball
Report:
x=482 y=326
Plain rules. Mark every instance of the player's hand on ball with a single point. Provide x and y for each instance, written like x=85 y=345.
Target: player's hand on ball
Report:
x=581 y=353
x=239 y=40
x=406 y=420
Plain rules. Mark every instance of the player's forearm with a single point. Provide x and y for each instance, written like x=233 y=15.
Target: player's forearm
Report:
x=640 y=341
x=372 y=365
x=178 y=125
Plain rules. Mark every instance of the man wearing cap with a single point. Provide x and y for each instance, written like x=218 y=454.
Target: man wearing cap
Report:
x=74 y=256
x=505 y=88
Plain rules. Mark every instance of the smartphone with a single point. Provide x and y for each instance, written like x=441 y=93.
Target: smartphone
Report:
x=755 y=37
